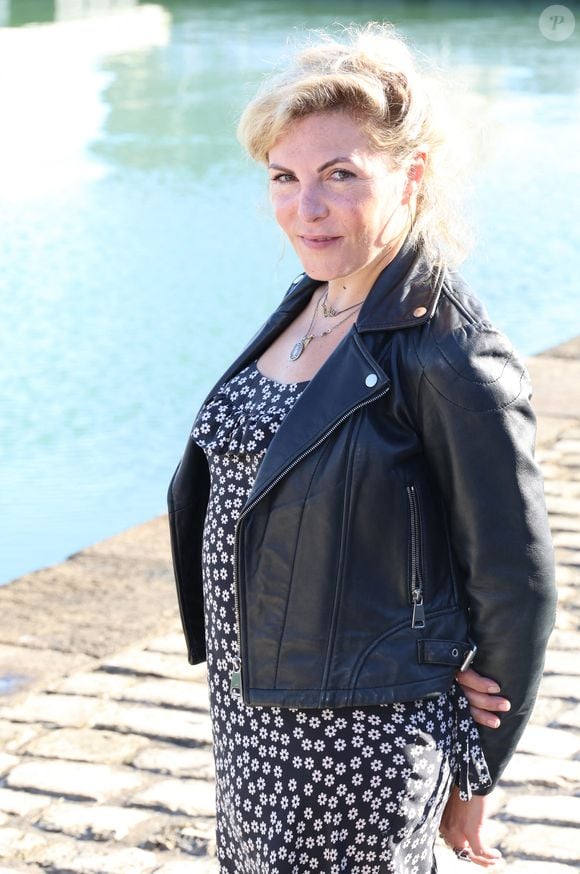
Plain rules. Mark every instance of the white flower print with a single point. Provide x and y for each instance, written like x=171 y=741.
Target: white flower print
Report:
x=301 y=790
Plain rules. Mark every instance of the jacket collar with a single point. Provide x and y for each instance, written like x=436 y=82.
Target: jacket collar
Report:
x=404 y=294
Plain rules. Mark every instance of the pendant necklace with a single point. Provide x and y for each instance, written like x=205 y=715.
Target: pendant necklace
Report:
x=300 y=345
x=328 y=310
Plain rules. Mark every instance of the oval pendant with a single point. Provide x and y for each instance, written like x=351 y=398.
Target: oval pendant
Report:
x=297 y=350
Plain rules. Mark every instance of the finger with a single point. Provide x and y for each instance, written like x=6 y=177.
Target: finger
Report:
x=489 y=859
x=474 y=680
x=490 y=864
x=479 y=847
x=482 y=853
x=487 y=702
x=484 y=717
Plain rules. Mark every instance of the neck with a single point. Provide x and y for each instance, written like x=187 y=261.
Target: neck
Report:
x=347 y=290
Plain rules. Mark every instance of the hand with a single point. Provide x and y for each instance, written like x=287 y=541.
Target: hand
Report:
x=462 y=826
x=481 y=692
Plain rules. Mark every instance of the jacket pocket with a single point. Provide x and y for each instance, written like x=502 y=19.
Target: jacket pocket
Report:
x=416 y=585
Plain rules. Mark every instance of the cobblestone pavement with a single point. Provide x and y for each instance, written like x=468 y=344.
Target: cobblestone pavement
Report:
x=107 y=768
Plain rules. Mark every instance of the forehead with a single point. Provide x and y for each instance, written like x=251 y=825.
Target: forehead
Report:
x=323 y=134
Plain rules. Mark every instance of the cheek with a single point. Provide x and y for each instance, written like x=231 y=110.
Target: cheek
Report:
x=282 y=208
x=378 y=218
x=362 y=220
x=359 y=211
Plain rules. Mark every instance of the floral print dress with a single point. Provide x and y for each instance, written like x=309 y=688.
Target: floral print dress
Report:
x=354 y=789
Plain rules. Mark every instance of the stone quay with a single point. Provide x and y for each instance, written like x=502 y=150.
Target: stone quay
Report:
x=105 y=739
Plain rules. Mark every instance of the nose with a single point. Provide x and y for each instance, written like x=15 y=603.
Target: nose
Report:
x=311 y=203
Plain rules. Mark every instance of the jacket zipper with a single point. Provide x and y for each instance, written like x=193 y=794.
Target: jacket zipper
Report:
x=416 y=588
x=236 y=686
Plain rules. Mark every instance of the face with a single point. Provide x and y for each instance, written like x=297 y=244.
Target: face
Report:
x=340 y=203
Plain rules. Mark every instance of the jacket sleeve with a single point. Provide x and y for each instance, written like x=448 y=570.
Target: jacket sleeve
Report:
x=478 y=430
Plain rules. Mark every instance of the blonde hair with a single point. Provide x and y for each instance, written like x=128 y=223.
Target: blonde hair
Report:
x=371 y=74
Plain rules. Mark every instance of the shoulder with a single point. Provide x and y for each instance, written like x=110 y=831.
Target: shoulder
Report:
x=464 y=358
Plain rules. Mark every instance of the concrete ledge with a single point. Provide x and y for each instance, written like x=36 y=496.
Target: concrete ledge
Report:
x=95 y=603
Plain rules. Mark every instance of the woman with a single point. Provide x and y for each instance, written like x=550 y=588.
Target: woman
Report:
x=357 y=513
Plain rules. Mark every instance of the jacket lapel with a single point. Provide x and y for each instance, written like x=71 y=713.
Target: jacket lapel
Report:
x=350 y=377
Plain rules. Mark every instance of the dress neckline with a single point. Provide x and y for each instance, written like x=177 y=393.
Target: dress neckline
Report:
x=277 y=381
x=244 y=413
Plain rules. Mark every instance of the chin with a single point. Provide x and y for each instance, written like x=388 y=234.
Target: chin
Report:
x=322 y=266
x=316 y=269
x=318 y=273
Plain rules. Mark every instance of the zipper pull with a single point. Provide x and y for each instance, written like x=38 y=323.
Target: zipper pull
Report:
x=236 y=680
x=418 y=620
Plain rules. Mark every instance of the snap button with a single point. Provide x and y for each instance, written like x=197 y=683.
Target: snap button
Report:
x=371 y=380
x=419 y=311
x=454 y=652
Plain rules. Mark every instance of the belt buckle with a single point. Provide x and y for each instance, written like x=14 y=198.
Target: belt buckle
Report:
x=468 y=658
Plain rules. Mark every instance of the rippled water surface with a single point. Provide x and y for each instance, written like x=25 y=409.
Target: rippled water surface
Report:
x=138 y=254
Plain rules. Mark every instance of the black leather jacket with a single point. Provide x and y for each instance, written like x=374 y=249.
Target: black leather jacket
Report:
x=397 y=515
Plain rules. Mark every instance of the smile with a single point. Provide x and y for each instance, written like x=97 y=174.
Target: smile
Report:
x=319 y=242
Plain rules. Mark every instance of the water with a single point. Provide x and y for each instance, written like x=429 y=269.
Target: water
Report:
x=138 y=254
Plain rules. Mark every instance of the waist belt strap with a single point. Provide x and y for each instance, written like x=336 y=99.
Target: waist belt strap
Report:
x=446 y=652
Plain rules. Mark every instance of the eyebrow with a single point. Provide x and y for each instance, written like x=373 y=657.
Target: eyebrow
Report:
x=340 y=160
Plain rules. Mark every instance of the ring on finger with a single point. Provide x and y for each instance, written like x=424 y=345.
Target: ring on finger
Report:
x=462 y=853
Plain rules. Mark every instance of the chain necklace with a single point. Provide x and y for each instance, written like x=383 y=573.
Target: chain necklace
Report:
x=301 y=344
x=328 y=310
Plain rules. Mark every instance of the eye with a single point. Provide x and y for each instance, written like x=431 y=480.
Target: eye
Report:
x=282 y=177
x=340 y=175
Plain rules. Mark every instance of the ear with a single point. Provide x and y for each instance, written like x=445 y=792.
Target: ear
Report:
x=415 y=173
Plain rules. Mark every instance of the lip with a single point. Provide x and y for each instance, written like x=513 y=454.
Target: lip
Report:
x=318 y=242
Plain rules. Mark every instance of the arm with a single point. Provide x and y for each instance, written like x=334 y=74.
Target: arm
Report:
x=478 y=430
